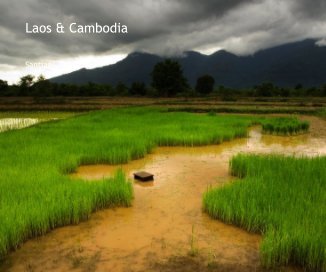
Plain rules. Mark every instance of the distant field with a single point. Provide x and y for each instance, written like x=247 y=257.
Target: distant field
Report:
x=304 y=105
x=44 y=115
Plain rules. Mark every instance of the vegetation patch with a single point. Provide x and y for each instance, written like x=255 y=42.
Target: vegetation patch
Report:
x=283 y=198
x=284 y=126
x=36 y=195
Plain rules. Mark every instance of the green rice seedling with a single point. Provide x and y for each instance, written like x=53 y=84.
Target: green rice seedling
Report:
x=283 y=198
x=284 y=126
x=36 y=194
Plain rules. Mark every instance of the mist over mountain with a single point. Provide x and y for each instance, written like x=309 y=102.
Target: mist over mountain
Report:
x=287 y=65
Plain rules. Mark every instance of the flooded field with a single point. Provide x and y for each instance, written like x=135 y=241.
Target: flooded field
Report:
x=165 y=229
x=16 y=123
x=19 y=120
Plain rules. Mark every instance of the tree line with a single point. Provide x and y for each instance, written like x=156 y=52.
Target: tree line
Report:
x=168 y=80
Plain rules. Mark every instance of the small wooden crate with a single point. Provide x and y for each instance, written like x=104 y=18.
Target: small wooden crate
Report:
x=143 y=176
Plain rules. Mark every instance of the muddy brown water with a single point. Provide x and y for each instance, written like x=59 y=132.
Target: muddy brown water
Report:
x=165 y=229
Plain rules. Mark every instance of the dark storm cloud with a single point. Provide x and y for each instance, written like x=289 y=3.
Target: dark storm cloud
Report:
x=161 y=26
x=311 y=9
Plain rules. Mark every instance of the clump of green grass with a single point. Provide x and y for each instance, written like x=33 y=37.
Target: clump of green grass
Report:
x=36 y=194
x=31 y=210
x=284 y=126
x=283 y=198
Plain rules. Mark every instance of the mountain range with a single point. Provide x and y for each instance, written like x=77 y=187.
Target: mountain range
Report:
x=286 y=65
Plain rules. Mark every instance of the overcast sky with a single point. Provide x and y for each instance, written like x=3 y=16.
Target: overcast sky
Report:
x=164 y=27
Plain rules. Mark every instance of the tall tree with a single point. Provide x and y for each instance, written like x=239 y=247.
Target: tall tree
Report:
x=26 y=81
x=137 y=88
x=168 y=78
x=42 y=87
x=25 y=84
x=3 y=85
x=265 y=89
x=205 y=84
x=121 y=89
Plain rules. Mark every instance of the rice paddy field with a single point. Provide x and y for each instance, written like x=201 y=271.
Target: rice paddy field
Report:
x=290 y=105
x=281 y=198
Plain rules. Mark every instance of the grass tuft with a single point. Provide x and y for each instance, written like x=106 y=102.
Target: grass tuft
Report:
x=284 y=126
x=283 y=198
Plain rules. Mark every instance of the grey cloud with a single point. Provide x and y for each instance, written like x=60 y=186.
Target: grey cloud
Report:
x=310 y=9
x=162 y=26
x=243 y=30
